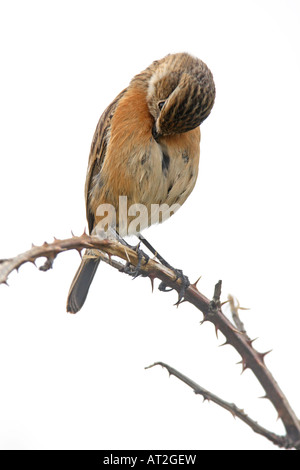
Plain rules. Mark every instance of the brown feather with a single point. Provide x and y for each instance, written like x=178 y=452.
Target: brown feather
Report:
x=97 y=156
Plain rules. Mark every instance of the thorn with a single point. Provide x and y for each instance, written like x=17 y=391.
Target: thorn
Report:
x=79 y=251
x=224 y=344
x=279 y=416
x=203 y=394
x=202 y=321
x=196 y=282
x=84 y=234
x=223 y=303
x=264 y=396
x=32 y=245
x=72 y=233
x=32 y=260
x=235 y=329
x=244 y=365
x=5 y=282
x=216 y=330
x=152 y=283
x=250 y=341
x=262 y=355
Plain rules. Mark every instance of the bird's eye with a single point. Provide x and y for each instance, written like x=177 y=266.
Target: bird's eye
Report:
x=161 y=104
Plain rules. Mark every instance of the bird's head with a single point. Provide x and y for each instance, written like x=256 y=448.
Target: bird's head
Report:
x=180 y=94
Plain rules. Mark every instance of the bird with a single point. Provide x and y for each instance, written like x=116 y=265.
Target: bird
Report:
x=146 y=147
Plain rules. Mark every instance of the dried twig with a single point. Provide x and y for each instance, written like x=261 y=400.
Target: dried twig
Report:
x=235 y=307
x=212 y=312
x=280 y=441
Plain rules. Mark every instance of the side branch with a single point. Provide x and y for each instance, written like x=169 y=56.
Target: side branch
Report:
x=280 y=441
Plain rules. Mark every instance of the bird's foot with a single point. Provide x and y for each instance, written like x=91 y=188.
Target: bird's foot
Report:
x=136 y=271
x=178 y=272
x=184 y=284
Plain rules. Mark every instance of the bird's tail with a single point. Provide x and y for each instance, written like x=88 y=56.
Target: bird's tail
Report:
x=82 y=281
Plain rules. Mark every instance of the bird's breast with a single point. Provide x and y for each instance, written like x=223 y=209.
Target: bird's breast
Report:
x=166 y=173
x=148 y=173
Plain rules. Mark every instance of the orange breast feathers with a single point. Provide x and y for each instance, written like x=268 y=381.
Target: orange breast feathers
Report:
x=129 y=141
x=138 y=167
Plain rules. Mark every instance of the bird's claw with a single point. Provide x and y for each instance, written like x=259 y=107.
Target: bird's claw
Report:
x=184 y=285
x=141 y=256
x=136 y=271
x=163 y=287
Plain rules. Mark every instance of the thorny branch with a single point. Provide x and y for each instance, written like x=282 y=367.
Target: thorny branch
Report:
x=212 y=312
x=280 y=441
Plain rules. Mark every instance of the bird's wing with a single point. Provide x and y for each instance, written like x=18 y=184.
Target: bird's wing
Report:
x=97 y=154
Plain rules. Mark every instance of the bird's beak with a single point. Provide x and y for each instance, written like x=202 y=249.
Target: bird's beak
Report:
x=155 y=133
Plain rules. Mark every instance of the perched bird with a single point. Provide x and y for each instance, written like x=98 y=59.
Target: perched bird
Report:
x=146 y=147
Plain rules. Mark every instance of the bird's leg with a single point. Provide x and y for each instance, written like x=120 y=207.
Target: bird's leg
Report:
x=178 y=272
x=118 y=237
x=154 y=252
x=129 y=269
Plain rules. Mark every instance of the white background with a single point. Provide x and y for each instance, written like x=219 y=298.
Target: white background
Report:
x=78 y=381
